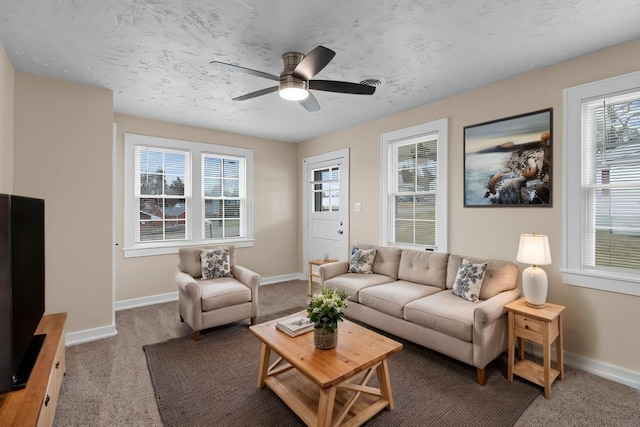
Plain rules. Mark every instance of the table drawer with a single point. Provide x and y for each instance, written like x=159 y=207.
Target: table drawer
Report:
x=528 y=324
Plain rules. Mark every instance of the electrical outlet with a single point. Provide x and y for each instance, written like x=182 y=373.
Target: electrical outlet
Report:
x=357 y=207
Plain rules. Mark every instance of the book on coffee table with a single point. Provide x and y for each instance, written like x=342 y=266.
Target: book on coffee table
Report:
x=295 y=326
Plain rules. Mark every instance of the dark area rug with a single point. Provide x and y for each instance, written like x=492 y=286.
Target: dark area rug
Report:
x=213 y=382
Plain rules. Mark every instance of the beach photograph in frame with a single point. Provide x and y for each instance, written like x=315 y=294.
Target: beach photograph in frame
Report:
x=508 y=162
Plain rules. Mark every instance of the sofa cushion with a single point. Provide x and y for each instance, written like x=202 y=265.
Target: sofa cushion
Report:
x=390 y=298
x=387 y=260
x=189 y=260
x=426 y=268
x=362 y=261
x=352 y=283
x=469 y=280
x=500 y=276
x=215 y=263
x=223 y=292
x=444 y=312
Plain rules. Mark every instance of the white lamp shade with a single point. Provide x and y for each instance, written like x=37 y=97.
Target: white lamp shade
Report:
x=534 y=249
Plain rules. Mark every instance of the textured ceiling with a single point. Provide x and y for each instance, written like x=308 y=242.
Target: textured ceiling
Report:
x=155 y=54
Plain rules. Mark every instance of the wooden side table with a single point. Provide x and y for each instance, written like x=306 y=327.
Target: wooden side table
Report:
x=542 y=326
x=316 y=262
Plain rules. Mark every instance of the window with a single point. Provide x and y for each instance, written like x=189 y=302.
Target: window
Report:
x=414 y=187
x=326 y=189
x=222 y=196
x=180 y=193
x=602 y=184
x=161 y=192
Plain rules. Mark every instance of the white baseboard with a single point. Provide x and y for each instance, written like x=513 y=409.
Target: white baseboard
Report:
x=602 y=369
x=73 y=338
x=144 y=301
x=279 y=279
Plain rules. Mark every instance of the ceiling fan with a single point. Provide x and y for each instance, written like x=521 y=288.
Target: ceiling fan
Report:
x=295 y=80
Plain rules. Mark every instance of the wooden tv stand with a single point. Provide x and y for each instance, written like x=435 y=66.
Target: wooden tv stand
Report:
x=35 y=405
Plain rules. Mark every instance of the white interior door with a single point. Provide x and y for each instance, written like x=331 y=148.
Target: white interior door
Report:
x=327 y=206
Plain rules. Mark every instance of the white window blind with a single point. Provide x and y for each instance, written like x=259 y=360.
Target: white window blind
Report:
x=223 y=184
x=611 y=182
x=162 y=191
x=414 y=191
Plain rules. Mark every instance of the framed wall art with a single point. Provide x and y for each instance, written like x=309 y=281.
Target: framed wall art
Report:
x=508 y=162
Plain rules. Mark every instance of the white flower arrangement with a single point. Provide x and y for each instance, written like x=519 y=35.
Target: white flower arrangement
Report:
x=325 y=310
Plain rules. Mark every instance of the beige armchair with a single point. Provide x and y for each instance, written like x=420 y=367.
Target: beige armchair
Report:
x=205 y=303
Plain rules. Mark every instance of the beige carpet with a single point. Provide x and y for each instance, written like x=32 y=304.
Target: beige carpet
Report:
x=107 y=382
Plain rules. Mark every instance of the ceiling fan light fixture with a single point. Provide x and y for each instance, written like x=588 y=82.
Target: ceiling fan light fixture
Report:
x=294 y=91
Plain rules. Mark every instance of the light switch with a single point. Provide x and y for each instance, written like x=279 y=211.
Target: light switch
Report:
x=357 y=207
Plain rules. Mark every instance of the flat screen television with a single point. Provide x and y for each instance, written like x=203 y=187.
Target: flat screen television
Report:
x=21 y=287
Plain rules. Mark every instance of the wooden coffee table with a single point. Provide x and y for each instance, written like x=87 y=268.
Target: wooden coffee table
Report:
x=327 y=387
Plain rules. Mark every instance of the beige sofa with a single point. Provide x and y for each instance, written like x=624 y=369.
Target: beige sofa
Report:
x=409 y=294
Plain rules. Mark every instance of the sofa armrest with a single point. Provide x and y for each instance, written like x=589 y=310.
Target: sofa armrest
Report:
x=490 y=310
x=333 y=269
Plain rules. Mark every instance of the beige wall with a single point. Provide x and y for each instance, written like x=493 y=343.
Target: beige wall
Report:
x=61 y=131
x=275 y=209
x=62 y=153
x=7 y=78
x=598 y=325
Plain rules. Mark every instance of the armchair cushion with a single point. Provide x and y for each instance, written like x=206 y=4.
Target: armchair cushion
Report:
x=223 y=292
x=215 y=263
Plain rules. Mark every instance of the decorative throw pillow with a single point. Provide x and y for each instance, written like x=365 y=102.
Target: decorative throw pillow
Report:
x=362 y=261
x=215 y=263
x=469 y=280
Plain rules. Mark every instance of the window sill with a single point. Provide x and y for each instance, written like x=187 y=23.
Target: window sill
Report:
x=134 y=252
x=609 y=282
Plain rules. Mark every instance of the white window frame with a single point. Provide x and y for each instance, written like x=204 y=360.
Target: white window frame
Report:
x=573 y=206
x=388 y=177
x=194 y=232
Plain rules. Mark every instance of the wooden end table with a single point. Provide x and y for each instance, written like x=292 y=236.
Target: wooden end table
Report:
x=327 y=387
x=542 y=326
x=312 y=274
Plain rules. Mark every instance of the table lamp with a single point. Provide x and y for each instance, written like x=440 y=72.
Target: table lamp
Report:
x=534 y=250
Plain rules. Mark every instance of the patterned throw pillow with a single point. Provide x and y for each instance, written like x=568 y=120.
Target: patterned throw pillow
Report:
x=362 y=261
x=215 y=263
x=469 y=280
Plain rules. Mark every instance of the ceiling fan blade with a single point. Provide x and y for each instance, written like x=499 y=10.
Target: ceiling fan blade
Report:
x=310 y=103
x=257 y=93
x=342 y=87
x=244 y=70
x=313 y=63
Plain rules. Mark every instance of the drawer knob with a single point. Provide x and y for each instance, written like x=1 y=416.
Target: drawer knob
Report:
x=46 y=400
x=526 y=326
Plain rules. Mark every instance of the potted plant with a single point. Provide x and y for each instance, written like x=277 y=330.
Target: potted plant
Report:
x=325 y=310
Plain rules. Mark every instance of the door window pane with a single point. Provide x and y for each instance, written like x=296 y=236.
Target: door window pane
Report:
x=326 y=189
